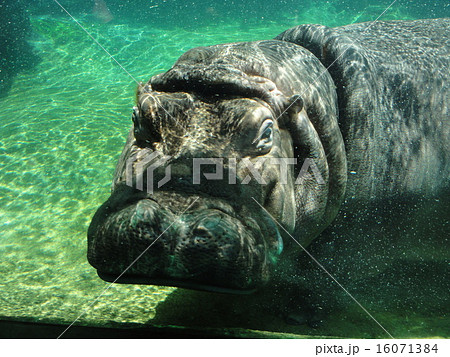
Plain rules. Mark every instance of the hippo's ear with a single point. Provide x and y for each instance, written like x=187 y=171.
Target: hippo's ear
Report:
x=294 y=104
x=291 y=107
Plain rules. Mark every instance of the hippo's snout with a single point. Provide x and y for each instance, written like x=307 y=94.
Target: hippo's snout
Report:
x=208 y=247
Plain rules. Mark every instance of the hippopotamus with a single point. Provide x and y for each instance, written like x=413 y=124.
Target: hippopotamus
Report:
x=242 y=154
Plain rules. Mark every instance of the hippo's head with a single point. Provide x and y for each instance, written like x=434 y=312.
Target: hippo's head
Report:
x=201 y=188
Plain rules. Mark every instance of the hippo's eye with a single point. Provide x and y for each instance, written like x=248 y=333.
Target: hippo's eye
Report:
x=265 y=136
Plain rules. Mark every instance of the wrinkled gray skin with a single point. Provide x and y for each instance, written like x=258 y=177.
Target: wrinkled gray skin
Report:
x=375 y=123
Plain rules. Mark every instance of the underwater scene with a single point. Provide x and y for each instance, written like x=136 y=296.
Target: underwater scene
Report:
x=69 y=71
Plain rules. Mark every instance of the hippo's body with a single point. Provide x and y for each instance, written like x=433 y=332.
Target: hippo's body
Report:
x=366 y=103
x=392 y=83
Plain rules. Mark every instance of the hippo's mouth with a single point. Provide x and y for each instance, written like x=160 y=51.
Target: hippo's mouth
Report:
x=145 y=240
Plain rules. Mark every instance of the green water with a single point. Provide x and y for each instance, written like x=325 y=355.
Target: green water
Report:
x=63 y=125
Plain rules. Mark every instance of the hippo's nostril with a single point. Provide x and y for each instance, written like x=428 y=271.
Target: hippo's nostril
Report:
x=201 y=232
